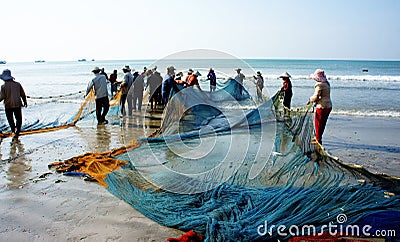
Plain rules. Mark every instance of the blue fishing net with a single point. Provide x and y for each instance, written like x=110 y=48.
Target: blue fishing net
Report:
x=235 y=170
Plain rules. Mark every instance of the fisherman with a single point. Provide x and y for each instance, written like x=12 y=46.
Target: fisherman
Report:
x=213 y=80
x=192 y=80
x=114 y=83
x=12 y=93
x=158 y=81
x=168 y=84
x=260 y=85
x=239 y=79
x=137 y=91
x=144 y=73
x=102 y=72
x=152 y=87
x=99 y=85
x=286 y=89
x=190 y=73
x=179 y=81
x=125 y=86
x=322 y=102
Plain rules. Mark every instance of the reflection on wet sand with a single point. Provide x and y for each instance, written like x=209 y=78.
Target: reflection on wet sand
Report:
x=18 y=169
x=140 y=124
x=103 y=136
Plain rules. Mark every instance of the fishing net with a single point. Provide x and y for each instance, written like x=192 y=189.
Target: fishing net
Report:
x=226 y=167
x=48 y=104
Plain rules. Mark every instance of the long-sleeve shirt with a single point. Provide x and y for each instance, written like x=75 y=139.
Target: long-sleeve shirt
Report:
x=213 y=79
x=138 y=84
x=127 y=83
x=12 y=93
x=322 y=95
x=260 y=82
x=287 y=88
x=154 y=81
x=166 y=86
x=192 y=81
x=239 y=78
x=99 y=84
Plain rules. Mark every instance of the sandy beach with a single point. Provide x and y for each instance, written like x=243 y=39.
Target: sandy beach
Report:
x=37 y=204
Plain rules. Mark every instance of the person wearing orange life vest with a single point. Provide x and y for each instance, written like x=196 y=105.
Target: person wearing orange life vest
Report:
x=192 y=80
x=178 y=79
x=190 y=72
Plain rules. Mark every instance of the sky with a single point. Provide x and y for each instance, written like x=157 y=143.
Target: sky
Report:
x=58 y=30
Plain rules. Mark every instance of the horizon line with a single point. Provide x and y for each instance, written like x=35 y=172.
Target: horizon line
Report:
x=246 y=58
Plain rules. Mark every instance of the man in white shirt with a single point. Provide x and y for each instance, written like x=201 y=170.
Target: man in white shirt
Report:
x=99 y=85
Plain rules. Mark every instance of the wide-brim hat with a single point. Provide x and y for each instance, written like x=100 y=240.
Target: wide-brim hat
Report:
x=258 y=73
x=190 y=71
x=171 y=68
x=319 y=76
x=96 y=69
x=6 y=75
x=126 y=68
x=238 y=69
x=285 y=75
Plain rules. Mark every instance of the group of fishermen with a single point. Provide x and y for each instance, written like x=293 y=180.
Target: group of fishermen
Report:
x=133 y=85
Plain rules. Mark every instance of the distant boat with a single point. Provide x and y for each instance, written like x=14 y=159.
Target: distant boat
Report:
x=82 y=60
x=3 y=62
x=92 y=59
x=365 y=70
x=39 y=61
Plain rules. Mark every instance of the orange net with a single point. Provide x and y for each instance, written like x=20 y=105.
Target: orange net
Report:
x=96 y=165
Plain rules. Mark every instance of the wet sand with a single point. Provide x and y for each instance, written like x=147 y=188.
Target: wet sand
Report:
x=61 y=208
x=368 y=141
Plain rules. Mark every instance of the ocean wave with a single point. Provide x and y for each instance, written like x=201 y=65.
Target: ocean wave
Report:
x=368 y=113
x=361 y=78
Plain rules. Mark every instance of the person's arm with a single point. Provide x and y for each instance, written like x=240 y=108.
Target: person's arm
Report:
x=2 y=94
x=89 y=87
x=180 y=82
x=317 y=94
x=124 y=82
x=23 y=96
x=285 y=86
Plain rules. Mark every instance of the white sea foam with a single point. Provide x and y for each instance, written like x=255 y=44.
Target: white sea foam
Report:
x=368 y=113
x=362 y=78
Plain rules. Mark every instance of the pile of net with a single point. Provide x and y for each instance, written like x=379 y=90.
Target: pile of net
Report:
x=232 y=169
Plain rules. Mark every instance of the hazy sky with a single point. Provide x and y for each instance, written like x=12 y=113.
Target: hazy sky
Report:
x=152 y=29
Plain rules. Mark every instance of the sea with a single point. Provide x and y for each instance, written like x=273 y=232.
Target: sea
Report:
x=358 y=87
